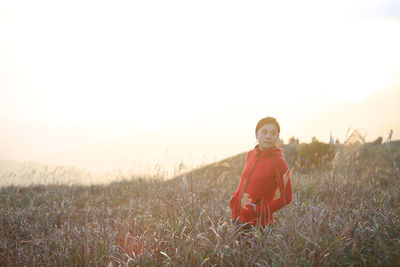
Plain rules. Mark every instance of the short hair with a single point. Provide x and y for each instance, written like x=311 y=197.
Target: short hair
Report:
x=268 y=120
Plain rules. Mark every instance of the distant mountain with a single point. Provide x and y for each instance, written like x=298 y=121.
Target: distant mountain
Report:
x=32 y=172
x=7 y=166
x=12 y=166
x=196 y=142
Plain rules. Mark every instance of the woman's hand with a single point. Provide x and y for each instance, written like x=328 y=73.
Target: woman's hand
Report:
x=247 y=204
x=246 y=199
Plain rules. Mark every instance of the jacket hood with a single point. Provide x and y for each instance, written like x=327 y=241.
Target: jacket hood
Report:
x=273 y=151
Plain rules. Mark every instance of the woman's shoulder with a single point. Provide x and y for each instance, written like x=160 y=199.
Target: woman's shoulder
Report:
x=251 y=153
x=281 y=162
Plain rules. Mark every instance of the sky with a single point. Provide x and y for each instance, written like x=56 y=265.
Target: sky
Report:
x=190 y=79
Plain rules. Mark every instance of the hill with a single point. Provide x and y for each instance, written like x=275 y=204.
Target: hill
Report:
x=344 y=218
x=232 y=167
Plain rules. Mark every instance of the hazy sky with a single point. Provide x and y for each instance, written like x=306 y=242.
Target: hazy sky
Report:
x=121 y=69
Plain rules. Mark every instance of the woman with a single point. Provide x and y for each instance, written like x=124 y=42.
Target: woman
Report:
x=264 y=172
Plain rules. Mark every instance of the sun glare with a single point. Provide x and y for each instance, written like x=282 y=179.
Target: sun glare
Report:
x=140 y=67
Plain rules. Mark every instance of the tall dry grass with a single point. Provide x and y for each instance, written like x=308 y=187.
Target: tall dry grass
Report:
x=348 y=217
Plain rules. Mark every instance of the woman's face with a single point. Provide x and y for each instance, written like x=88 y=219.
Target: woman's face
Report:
x=267 y=136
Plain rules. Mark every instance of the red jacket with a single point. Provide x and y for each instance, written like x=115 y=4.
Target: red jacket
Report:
x=263 y=173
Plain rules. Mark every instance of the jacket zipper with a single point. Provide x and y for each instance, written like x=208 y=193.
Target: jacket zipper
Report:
x=248 y=180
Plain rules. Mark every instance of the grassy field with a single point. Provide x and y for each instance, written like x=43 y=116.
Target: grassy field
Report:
x=346 y=216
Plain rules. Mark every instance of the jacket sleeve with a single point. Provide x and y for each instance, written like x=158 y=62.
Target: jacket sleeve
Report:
x=286 y=195
x=240 y=180
x=285 y=189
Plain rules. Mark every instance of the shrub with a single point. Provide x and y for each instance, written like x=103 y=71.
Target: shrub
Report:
x=291 y=155
x=316 y=154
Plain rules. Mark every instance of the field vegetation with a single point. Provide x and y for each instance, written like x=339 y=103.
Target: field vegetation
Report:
x=343 y=213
